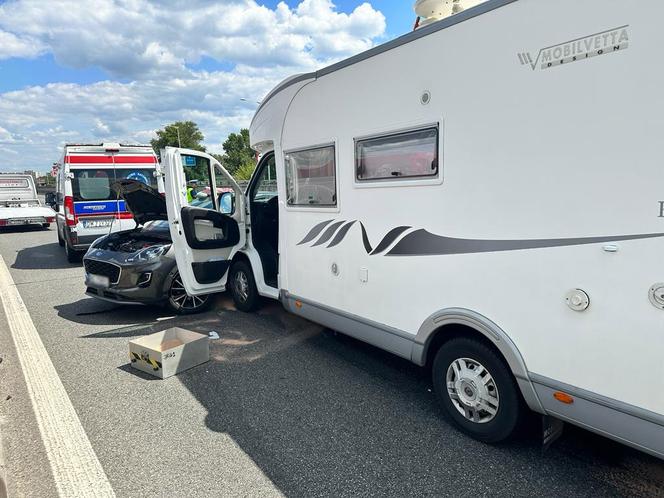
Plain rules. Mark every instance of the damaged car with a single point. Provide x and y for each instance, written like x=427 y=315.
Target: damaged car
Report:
x=138 y=266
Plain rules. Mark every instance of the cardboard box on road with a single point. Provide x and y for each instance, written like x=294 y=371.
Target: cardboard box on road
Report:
x=169 y=352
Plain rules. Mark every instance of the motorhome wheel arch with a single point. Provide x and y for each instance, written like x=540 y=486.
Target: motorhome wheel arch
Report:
x=461 y=200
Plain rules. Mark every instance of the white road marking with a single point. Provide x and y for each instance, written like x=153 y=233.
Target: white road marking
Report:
x=76 y=469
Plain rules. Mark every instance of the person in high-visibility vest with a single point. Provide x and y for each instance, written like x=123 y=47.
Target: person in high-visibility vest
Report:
x=191 y=190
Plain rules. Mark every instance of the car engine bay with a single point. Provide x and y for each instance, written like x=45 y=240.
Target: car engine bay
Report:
x=133 y=241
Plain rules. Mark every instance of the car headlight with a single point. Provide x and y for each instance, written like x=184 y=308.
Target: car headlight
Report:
x=150 y=253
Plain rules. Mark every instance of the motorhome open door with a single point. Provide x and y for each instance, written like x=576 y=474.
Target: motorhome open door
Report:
x=206 y=215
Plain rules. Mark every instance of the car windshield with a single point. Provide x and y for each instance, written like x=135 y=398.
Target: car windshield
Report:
x=202 y=200
x=95 y=184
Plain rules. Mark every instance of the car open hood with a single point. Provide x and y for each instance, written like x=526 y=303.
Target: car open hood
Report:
x=144 y=202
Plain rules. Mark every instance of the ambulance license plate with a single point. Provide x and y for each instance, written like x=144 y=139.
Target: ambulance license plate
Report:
x=102 y=223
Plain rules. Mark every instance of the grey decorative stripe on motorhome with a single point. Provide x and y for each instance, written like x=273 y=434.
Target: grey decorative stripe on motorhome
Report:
x=389 y=238
x=341 y=234
x=423 y=243
x=315 y=231
x=328 y=233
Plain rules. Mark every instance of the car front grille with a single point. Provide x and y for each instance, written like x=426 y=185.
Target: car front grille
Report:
x=109 y=270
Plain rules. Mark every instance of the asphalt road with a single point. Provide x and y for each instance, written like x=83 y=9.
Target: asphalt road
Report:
x=283 y=408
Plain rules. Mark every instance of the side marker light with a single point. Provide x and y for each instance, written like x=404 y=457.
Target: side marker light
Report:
x=563 y=397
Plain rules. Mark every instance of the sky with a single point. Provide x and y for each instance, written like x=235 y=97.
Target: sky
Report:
x=89 y=71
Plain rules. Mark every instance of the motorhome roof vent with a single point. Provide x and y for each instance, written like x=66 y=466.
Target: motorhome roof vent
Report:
x=429 y=11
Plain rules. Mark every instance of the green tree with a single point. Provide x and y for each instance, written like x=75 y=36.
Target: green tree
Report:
x=238 y=153
x=245 y=170
x=185 y=134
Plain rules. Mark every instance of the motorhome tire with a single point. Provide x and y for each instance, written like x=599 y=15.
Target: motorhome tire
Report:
x=73 y=256
x=477 y=390
x=243 y=287
x=61 y=241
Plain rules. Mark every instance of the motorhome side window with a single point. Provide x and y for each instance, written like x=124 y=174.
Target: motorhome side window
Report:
x=311 y=177
x=412 y=154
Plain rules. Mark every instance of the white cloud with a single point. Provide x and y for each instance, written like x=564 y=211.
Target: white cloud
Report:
x=151 y=48
x=15 y=46
x=139 y=38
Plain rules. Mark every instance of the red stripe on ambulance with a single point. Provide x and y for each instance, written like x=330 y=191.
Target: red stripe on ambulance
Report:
x=111 y=159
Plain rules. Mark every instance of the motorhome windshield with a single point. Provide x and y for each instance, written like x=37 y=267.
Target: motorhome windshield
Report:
x=95 y=184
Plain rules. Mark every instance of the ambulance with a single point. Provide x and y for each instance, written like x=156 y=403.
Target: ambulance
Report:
x=85 y=204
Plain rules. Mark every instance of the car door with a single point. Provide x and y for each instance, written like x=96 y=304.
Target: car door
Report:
x=206 y=215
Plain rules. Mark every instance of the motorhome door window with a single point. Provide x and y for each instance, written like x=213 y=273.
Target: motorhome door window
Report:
x=311 y=177
x=412 y=154
x=225 y=193
x=199 y=182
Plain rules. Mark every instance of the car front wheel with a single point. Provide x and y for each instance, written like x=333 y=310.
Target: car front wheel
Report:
x=181 y=302
x=477 y=390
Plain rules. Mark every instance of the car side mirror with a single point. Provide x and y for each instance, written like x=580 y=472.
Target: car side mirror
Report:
x=227 y=203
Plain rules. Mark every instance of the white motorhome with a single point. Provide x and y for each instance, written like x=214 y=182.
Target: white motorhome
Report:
x=483 y=196
x=87 y=208
x=19 y=204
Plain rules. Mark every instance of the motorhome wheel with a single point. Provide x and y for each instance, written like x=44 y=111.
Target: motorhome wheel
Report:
x=477 y=390
x=243 y=287
x=181 y=302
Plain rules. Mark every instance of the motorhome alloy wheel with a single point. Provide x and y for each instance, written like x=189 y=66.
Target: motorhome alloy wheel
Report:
x=243 y=287
x=477 y=390
x=472 y=390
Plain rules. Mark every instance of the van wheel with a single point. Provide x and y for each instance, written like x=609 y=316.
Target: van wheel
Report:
x=181 y=302
x=476 y=390
x=61 y=241
x=243 y=287
x=73 y=256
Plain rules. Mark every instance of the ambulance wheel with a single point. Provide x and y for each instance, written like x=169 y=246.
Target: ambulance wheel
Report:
x=61 y=241
x=477 y=390
x=73 y=256
x=243 y=287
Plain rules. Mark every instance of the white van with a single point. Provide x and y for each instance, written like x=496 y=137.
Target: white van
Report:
x=87 y=207
x=19 y=204
x=483 y=196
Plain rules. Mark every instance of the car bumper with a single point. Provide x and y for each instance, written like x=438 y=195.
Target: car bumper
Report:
x=131 y=286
